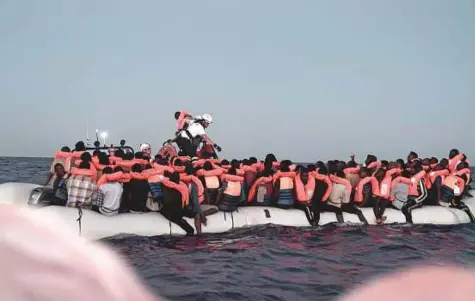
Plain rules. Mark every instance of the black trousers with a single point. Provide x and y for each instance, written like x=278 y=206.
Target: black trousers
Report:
x=319 y=206
x=186 y=146
x=351 y=208
x=174 y=213
x=410 y=205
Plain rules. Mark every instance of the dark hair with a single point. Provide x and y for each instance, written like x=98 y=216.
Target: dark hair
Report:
x=405 y=174
x=138 y=155
x=80 y=146
x=311 y=167
x=444 y=162
x=86 y=157
x=414 y=154
x=189 y=169
x=174 y=177
x=119 y=153
x=178 y=162
x=351 y=164
x=207 y=166
x=323 y=170
x=177 y=115
x=401 y=162
x=225 y=162
x=58 y=164
x=246 y=162
x=434 y=160
x=253 y=160
x=96 y=152
x=285 y=166
x=235 y=163
x=270 y=157
x=66 y=149
x=84 y=165
x=417 y=167
x=128 y=156
x=146 y=158
x=232 y=171
x=107 y=170
x=136 y=168
x=384 y=163
x=118 y=169
x=426 y=161
x=104 y=159
x=148 y=166
x=453 y=152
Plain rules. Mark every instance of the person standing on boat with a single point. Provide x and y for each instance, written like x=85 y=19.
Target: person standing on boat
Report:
x=189 y=139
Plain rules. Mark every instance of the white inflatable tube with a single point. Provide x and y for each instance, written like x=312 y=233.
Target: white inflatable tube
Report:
x=97 y=226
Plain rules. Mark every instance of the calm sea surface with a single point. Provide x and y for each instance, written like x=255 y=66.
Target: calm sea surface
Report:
x=273 y=262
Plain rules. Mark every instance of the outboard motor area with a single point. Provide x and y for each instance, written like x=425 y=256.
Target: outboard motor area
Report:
x=42 y=196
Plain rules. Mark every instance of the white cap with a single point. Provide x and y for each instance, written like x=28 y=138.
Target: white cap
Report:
x=207 y=118
x=144 y=146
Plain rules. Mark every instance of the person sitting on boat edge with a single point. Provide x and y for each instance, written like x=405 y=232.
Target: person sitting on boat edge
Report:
x=59 y=189
x=109 y=195
x=232 y=189
x=136 y=192
x=81 y=186
x=417 y=190
x=175 y=201
x=189 y=139
x=284 y=186
x=304 y=191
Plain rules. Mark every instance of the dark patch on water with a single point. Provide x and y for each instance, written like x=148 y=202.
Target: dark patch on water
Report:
x=274 y=262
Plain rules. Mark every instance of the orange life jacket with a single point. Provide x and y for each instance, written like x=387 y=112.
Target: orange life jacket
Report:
x=415 y=182
x=341 y=181
x=234 y=184
x=262 y=181
x=433 y=175
x=359 y=189
x=329 y=183
x=454 y=162
x=286 y=179
x=182 y=188
x=304 y=192
x=455 y=183
x=188 y=179
x=211 y=177
x=107 y=178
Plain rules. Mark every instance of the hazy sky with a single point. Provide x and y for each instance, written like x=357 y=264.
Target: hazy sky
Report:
x=306 y=80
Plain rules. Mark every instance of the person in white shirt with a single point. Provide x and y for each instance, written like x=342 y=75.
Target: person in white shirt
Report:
x=111 y=193
x=189 y=139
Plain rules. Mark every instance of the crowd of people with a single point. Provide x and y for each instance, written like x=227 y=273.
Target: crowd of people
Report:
x=184 y=185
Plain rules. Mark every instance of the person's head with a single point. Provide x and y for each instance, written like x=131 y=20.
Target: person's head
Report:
x=304 y=175
x=364 y=172
x=299 y=167
x=80 y=146
x=107 y=170
x=270 y=158
x=253 y=160
x=145 y=149
x=370 y=159
x=434 y=160
x=103 y=159
x=84 y=165
x=417 y=167
x=405 y=173
x=285 y=166
x=119 y=153
x=401 y=164
x=178 y=162
x=232 y=171
x=66 y=149
x=96 y=153
x=137 y=168
x=235 y=163
x=128 y=156
x=351 y=164
x=331 y=167
x=425 y=162
x=174 y=177
x=323 y=170
x=208 y=166
x=453 y=152
x=206 y=120
x=177 y=115
x=320 y=164
x=59 y=170
x=138 y=155
x=384 y=164
x=379 y=174
x=189 y=169
x=444 y=162
x=148 y=166
x=412 y=155
x=462 y=165
x=86 y=157
x=246 y=162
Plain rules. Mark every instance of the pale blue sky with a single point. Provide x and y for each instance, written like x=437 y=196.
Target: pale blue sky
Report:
x=306 y=80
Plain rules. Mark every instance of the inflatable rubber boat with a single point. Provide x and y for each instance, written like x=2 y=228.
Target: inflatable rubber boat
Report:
x=97 y=226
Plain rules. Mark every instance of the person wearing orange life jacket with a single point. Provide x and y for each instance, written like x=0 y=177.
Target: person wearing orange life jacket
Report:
x=183 y=120
x=211 y=181
x=109 y=195
x=417 y=191
x=452 y=192
x=250 y=173
x=188 y=140
x=383 y=179
x=260 y=193
x=232 y=191
x=136 y=191
x=304 y=190
x=175 y=202
x=341 y=194
x=284 y=186
x=463 y=171
x=454 y=158
x=436 y=176
x=323 y=189
x=146 y=150
x=81 y=186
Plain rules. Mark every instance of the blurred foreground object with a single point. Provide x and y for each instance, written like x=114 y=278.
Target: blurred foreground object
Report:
x=41 y=260
x=419 y=284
